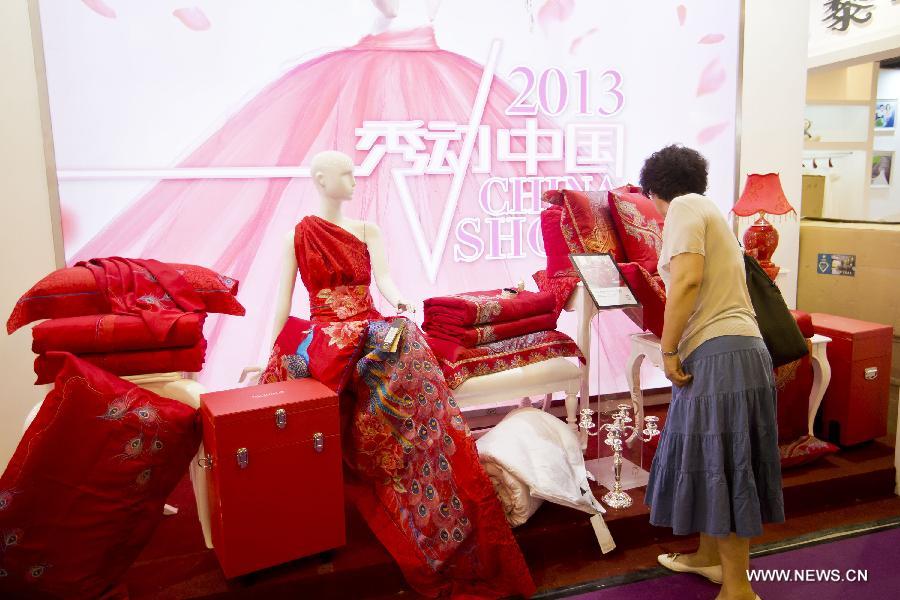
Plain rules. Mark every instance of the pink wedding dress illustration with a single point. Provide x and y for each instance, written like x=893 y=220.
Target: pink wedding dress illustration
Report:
x=238 y=226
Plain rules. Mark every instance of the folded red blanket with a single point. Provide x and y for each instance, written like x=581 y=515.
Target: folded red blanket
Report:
x=113 y=333
x=130 y=363
x=459 y=363
x=481 y=308
x=153 y=290
x=484 y=334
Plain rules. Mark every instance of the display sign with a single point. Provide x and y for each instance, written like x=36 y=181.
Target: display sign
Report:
x=604 y=281
x=187 y=136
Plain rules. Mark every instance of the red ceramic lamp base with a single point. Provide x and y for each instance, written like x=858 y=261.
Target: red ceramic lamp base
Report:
x=760 y=241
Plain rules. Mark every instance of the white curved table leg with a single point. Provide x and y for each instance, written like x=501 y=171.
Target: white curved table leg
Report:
x=821 y=377
x=633 y=377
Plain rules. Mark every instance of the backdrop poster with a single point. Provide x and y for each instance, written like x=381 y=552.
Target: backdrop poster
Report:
x=185 y=133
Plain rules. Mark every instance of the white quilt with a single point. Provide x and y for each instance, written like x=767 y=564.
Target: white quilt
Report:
x=532 y=456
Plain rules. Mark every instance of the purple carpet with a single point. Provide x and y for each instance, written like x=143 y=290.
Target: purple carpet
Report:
x=832 y=571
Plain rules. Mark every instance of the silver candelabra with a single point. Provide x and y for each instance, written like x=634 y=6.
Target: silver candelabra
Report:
x=616 y=433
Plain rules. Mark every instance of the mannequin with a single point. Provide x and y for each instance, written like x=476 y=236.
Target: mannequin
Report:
x=332 y=175
x=186 y=391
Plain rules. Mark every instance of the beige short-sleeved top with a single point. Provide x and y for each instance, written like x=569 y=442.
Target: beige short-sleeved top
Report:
x=694 y=224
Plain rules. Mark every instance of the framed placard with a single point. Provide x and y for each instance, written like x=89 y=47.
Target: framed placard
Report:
x=604 y=281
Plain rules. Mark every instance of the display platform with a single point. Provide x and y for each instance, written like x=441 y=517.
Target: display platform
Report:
x=558 y=542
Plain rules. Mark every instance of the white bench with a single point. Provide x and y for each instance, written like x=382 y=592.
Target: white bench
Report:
x=543 y=378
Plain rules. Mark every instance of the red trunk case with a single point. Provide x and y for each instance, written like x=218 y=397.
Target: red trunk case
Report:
x=856 y=403
x=274 y=472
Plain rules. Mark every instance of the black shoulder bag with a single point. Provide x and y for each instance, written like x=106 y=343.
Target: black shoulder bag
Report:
x=776 y=323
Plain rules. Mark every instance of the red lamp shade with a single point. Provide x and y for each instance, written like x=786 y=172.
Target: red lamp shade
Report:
x=762 y=194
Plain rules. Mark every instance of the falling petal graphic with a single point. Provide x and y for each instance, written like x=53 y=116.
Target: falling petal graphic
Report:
x=682 y=14
x=101 y=8
x=193 y=18
x=712 y=78
x=710 y=133
x=711 y=38
x=577 y=41
x=555 y=10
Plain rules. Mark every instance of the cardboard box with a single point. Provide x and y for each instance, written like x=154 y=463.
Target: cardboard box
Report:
x=813 y=196
x=852 y=269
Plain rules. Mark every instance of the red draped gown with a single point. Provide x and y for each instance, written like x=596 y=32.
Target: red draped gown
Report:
x=413 y=469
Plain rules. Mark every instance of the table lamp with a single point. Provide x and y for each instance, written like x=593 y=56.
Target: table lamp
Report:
x=762 y=195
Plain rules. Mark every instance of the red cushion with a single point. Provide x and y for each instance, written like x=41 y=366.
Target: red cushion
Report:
x=587 y=224
x=555 y=247
x=72 y=292
x=650 y=292
x=459 y=363
x=638 y=225
x=553 y=197
x=284 y=363
x=561 y=287
x=793 y=382
x=804 y=322
x=86 y=486
x=804 y=451
x=324 y=351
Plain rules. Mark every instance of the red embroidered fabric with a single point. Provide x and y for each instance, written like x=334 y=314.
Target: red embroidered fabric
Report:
x=112 y=333
x=149 y=289
x=555 y=246
x=85 y=489
x=650 y=292
x=485 y=334
x=138 y=362
x=72 y=292
x=638 y=226
x=486 y=307
x=804 y=450
x=459 y=363
x=587 y=224
x=414 y=472
x=560 y=287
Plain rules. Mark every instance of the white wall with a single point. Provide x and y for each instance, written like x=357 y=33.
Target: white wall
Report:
x=875 y=40
x=773 y=99
x=26 y=246
x=884 y=203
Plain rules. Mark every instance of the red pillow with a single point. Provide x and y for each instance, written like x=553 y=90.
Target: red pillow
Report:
x=650 y=292
x=553 y=197
x=459 y=363
x=72 y=292
x=638 y=225
x=284 y=362
x=561 y=287
x=86 y=486
x=793 y=383
x=587 y=224
x=803 y=451
x=804 y=322
x=555 y=247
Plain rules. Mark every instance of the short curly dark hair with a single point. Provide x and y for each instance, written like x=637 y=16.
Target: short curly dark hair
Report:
x=674 y=171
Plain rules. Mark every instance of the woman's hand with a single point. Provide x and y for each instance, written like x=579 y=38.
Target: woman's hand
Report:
x=674 y=372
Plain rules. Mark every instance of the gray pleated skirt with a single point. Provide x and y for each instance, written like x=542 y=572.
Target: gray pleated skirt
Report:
x=717 y=469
